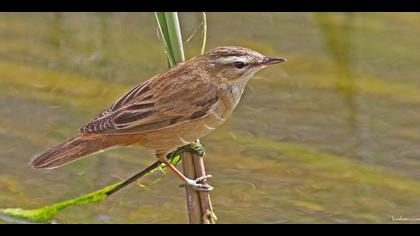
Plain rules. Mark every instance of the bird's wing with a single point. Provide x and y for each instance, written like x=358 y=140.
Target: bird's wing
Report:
x=156 y=104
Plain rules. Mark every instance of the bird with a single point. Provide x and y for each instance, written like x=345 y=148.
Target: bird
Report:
x=169 y=110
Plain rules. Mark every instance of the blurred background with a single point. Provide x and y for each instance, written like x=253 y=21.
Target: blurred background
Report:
x=331 y=136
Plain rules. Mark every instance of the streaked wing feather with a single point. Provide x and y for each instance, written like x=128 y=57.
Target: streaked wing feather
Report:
x=139 y=111
x=140 y=89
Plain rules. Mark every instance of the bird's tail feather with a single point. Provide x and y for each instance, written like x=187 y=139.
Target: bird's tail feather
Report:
x=73 y=149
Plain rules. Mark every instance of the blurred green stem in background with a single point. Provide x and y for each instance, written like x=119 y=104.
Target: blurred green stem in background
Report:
x=336 y=32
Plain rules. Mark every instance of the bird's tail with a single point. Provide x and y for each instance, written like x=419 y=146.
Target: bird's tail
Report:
x=73 y=149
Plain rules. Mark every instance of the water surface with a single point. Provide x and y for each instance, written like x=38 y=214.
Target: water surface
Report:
x=330 y=136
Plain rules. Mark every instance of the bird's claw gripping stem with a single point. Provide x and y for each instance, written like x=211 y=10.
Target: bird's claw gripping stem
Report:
x=196 y=148
x=196 y=185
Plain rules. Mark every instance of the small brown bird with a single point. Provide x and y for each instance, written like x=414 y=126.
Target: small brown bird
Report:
x=169 y=110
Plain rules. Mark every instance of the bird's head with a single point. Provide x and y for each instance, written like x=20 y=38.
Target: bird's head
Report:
x=231 y=63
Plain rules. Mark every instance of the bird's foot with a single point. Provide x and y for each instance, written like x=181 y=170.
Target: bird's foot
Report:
x=196 y=148
x=198 y=184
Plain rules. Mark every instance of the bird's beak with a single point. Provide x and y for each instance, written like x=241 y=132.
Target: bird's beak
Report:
x=271 y=60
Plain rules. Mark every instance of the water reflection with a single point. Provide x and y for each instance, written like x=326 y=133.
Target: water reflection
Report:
x=336 y=32
x=56 y=30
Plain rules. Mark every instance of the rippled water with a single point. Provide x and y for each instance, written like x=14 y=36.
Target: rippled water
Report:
x=330 y=136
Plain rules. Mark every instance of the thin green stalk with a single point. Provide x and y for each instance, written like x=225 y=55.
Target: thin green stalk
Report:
x=204 y=33
x=174 y=32
x=163 y=29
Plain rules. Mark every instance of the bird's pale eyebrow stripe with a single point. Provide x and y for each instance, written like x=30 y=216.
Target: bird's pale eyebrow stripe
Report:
x=230 y=59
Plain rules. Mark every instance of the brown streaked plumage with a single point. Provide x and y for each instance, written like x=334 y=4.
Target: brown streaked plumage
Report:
x=169 y=110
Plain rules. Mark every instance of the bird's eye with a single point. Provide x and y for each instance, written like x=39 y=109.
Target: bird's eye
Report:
x=239 y=64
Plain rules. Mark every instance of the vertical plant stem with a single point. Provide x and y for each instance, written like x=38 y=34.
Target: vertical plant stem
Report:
x=204 y=32
x=174 y=32
x=207 y=213
x=200 y=210
x=193 y=198
x=163 y=29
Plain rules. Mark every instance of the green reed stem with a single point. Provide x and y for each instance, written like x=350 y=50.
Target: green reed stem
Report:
x=170 y=32
x=204 y=32
x=174 y=32
x=164 y=33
